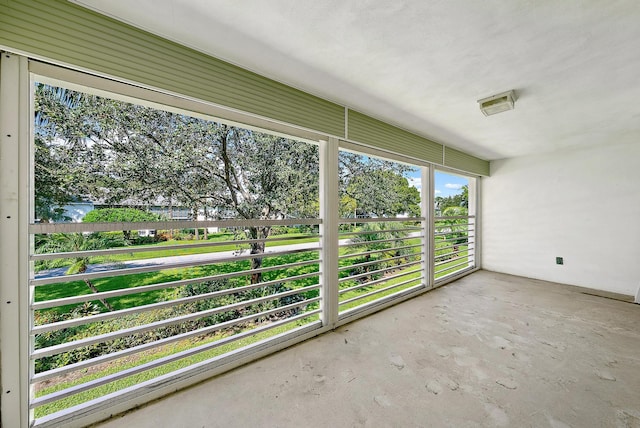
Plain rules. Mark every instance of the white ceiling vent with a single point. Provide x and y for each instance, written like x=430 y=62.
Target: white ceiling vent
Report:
x=497 y=103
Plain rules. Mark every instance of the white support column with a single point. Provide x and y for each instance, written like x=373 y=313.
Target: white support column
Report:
x=14 y=245
x=426 y=205
x=329 y=202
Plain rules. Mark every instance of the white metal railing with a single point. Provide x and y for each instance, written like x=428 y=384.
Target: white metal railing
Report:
x=159 y=308
x=379 y=258
x=454 y=239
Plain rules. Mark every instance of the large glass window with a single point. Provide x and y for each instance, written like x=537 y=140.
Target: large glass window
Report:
x=161 y=240
x=381 y=234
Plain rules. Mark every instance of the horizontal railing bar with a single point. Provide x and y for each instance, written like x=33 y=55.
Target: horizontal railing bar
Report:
x=452 y=231
x=379 y=220
x=144 y=308
x=363 y=243
x=372 y=232
x=378 y=281
x=444 y=262
x=456 y=239
x=373 y=272
x=385 y=250
x=172 y=284
x=464 y=232
x=470 y=233
x=469 y=247
x=442 y=226
x=375 y=262
x=453 y=217
x=63 y=347
x=374 y=292
x=148 y=249
x=49 y=374
x=58 y=395
x=468 y=262
x=35 y=228
x=455 y=226
x=438 y=263
x=469 y=251
x=145 y=269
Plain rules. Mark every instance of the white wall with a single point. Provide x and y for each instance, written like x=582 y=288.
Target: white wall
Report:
x=583 y=205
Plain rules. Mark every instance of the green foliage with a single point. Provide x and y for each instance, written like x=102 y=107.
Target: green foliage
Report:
x=283 y=230
x=119 y=215
x=164 y=351
x=56 y=171
x=120 y=151
x=378 y=232
x=459 y=200
x=374 y=232
x=129 y=321
x=456 y=228
x=123 y=215
x=372 y=187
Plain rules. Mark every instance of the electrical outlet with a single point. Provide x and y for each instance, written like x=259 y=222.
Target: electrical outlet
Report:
x=559 y=260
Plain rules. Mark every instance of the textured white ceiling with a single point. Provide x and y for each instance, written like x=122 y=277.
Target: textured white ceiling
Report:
x=421 y=65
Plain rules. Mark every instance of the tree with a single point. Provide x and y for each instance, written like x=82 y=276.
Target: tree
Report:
x=376 y=232
x=264 y=177
x=456 y=227
x=376 y=187
x=119 y=151
x=131 y=152
x=55 y=171
x=458 y=200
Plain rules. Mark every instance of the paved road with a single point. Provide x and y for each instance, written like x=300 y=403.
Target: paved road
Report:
x=189 y=258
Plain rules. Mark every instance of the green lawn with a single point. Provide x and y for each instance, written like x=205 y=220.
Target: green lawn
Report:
x=156 y=249
x=76 y=288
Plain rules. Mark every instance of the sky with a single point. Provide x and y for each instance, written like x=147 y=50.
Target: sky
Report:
x=446 y=184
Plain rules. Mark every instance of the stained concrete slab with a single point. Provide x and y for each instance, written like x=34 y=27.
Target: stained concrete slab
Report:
x=490 y=350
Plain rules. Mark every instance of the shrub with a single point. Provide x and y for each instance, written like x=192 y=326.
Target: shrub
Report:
x=133 y=320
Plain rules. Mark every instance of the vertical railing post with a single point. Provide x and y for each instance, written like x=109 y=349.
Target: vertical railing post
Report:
x=329 y=201
x=14 y=245
x=426 y=205
x=474 y=224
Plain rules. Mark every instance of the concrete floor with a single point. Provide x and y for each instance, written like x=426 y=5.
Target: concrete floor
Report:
x=488 y=350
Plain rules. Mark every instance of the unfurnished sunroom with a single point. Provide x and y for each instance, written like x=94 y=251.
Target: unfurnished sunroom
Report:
x=168 y=216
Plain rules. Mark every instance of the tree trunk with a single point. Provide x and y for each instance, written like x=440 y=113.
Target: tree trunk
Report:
x=257 y=248
x=95 y=290
x=195 y=218
x=206 y=229
x=170 y=216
